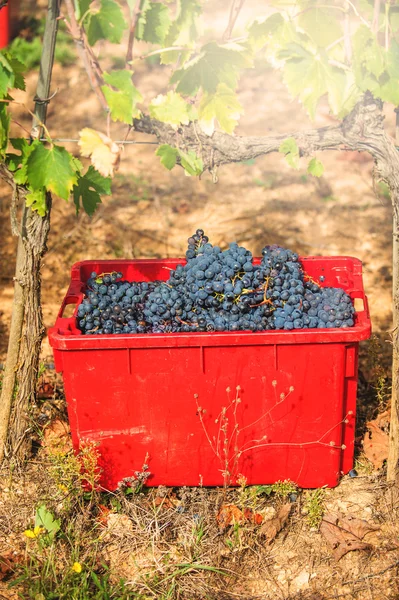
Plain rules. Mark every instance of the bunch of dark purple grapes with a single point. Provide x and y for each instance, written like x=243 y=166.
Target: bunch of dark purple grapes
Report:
x=216 y=290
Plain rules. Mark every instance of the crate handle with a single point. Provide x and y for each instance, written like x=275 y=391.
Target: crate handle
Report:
x=74 y=295
x=360 y=295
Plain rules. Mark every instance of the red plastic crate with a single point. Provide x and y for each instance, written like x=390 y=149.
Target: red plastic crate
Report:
x=134 y=394
x=4 y=27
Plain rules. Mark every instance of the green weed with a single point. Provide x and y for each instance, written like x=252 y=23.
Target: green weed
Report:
x=314 y=507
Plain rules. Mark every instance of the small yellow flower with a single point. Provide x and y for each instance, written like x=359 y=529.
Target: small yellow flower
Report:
x=29 y=533
x=77 y=567
x=63 y=488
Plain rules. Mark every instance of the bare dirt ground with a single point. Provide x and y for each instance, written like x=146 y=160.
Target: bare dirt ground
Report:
x=150 y=214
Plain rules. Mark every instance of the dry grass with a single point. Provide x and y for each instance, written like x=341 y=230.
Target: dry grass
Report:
x=168 y=544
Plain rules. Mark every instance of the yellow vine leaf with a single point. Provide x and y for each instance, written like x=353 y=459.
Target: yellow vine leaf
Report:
x=104 y=153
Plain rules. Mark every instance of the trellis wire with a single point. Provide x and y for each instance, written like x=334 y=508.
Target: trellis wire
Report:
x=123 y=142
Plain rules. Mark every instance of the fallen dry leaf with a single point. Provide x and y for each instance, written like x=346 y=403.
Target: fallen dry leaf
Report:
x=57 y=438
x=165 y=502
x=45 y=389
x=229 y=514
x=8 y=562
x=103 y=514
x=252 y=516
x=383 y=419
x=345 y=534
x=375 y=443
x=359 y=527
x=270 y=529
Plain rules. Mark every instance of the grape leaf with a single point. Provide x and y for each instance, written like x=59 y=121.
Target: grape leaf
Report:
x=168 y=155
x=7 y=75
x=366 y=8
x=153 y=23
x=320 y=26
x=183 y=30
x=394 y=18
x=11 y=71
x=389 y=91
x=12 y=161
x=171 y=56
x=259 y=32
x=81 y=7
x=306 y=77
x=104 y=153
x=5 y=81
x=223 y=106
x=213 y=65
x=107 y=24
x=172 y=109
x=315 y=167
x=5 y=119
x=36 y=200
x=18 y=69
x=392 y=60
x=368 y=57
x=123 y=99
x=191 y=163
x=51 y=168
x=343 y=93
x=77 y=164
x=290 y=149
x=88 y=189
x=17 y=162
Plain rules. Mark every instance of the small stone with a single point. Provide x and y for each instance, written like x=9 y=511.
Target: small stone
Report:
x=353 y=473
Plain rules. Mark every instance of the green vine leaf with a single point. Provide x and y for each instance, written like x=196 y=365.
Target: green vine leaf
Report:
x=183 y=30
x=52 y=169
x=153 y=23
x=107 y=24
x=260 y=32
x=306 y=76
x=36 y=200
x=343 y=93
x=315 y=167
x=5 y=120
x=11 y=76
x=222 y=106
x=87 y=192
x=122 y=97
x=322 y=28
x=191 y=163
x=392 y=60
x=172 y=109
x=389 y=91
x=215 y=64
x=18 y=162
x=290 y=150
x=168 y=155
x=368 y=59
x=81 y=7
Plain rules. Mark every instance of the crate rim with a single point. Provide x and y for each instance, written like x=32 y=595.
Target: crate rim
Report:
x=62 y=339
